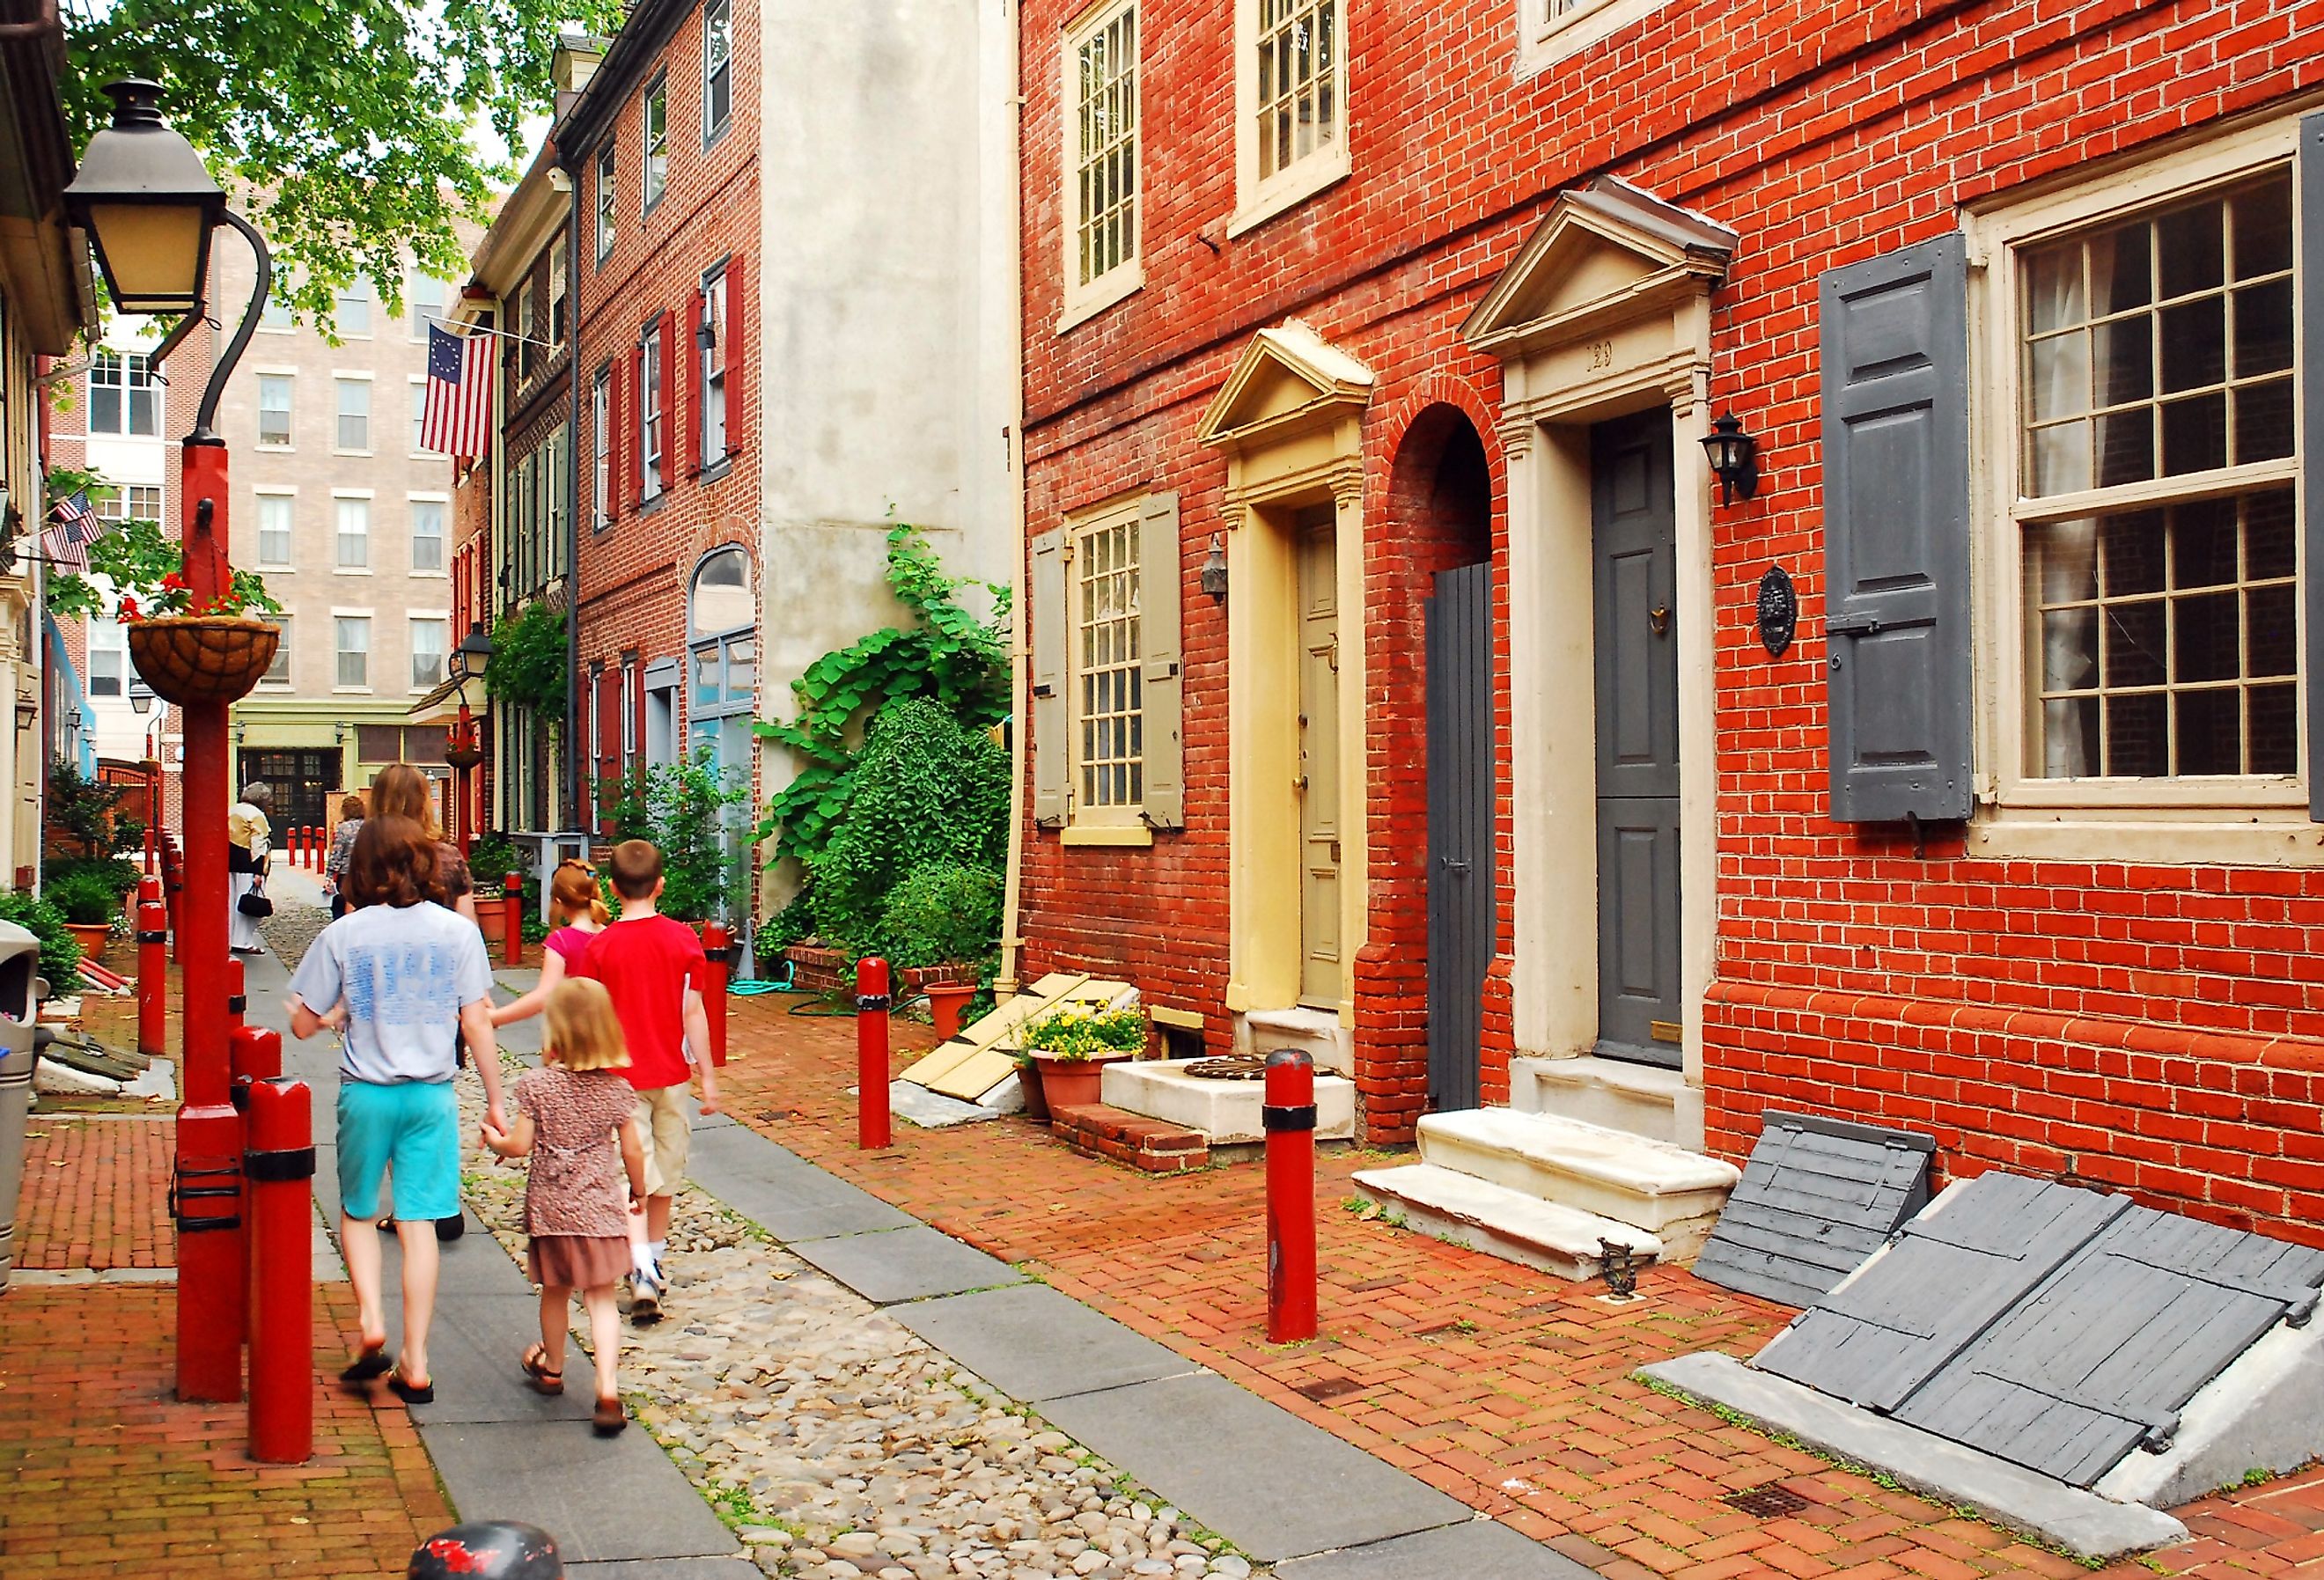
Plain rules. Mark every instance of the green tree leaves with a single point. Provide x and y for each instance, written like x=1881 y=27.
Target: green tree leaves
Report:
x=528 y=663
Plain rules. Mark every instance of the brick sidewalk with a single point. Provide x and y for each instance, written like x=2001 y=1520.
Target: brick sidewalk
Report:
x=1504 y=1387
x=95 y=1193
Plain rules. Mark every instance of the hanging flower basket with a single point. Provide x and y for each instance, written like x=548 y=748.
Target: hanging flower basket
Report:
x=464 y=755
x=208 y=658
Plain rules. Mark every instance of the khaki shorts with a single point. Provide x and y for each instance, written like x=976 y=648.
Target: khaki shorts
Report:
x=666 y=1133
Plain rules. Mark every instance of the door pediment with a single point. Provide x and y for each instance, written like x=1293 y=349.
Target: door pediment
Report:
x=1289 y=379
x=1607 y=253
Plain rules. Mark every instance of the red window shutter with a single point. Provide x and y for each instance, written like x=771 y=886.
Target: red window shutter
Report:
x=692 y=383
x=617 y=449
x=638 y=710
x=609 y=746
x=732 y=331
x=637 y=423
x=673 y=403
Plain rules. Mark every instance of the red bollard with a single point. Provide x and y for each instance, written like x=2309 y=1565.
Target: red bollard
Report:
x=152 y=970
x=871 y=1002
x=1288 y=1118
x=718 y=948
x=253 y=1055
x=280 y=1163
x=314 y=847
x=512 y=897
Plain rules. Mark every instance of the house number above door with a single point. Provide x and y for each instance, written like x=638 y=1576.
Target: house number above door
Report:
x=1779 y=611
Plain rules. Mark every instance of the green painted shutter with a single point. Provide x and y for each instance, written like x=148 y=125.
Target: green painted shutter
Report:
x=1052 y=750
x=2310 y=254
x=1161 y=566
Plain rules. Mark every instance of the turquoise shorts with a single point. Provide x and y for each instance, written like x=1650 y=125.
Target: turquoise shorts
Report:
x=412 y=1125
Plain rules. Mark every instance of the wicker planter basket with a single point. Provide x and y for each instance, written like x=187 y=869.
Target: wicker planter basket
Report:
x=215 y=658
x=464 y=758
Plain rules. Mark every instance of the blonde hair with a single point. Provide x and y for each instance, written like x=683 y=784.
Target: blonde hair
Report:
x=584 y=1034
x=573 y=889
x=401 y=790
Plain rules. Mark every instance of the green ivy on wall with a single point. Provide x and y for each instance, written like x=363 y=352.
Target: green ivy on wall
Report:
x=528 y=667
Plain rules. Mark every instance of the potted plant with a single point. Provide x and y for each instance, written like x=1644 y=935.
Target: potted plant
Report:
x=1071 y=1045
x=89 y=905
x=491 y=859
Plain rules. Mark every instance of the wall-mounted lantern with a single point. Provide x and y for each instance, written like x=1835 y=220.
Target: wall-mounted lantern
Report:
x=1214 y=569
x=1734 y=458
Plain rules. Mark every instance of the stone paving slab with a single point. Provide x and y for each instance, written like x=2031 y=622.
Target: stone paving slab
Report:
x=790 y=1200
x=603 y=1498
x=893 y=1265
x=472 y=1350
x=1033 y=1343
x=1480 y=1549
x=1269 y=1482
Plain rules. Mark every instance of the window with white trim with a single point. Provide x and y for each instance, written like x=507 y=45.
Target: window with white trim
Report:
x=353 y=517
x=654 y=120
x=710 y=360
x=606 y=200
x=1101 y=149
x=649 y=414
x=355 y=415
x=1553 y=29
x=425 y=300
x=557 y=295
x=1291 y=95
x=108 y=658
x=717 y=67
x=277 y=673
x=600 y=446
x=274 y=408
x=2155 y=506
x=133 y=501
x=428 y=652
x=277 y=514
x=420 y=417
x=125 y=396
x=1107 y=701
x=352 y=312
x=354 y=632
x=426 y=534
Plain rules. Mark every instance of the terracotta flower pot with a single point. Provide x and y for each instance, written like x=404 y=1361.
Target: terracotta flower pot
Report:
x=92 y=936
x=1036 y=1098
x=215 y=658
x=1073 y=1083
x=946 y=1000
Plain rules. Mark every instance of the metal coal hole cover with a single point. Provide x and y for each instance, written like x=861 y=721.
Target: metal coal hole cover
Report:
x=1234 y=1067
x=1329 y=1388
x=1773 y=1500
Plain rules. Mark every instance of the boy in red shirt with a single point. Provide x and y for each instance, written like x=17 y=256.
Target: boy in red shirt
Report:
x=654 y=968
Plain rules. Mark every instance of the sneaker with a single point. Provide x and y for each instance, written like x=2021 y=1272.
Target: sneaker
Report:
x=645 y=1299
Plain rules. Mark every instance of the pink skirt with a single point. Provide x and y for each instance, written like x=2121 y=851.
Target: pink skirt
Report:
x=579 y=1262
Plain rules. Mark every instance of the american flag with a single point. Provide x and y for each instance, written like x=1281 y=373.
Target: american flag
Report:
x=458 y=404
x=76 y=528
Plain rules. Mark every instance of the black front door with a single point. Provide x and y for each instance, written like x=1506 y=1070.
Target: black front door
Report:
x=1634 y=539
x=302 y=782
x=1460 y=791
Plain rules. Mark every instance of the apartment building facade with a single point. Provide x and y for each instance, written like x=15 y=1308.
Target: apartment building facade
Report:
x=1407 y=686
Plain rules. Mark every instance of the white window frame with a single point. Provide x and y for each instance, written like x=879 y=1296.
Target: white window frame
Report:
x=286 y=681
x=422 y=314
x=419 y=384
x=1259 y=200
x=442 y=619
x=356 y=291
x=442 y=506
x=339 y=651
x=286 y=494
x=289 y=379
x=1081 y=813
x=114 y=646
x=130 y=366
x=1550 y=31
x=341 y=380
x=1086 y=299
x=559 y=300
x=608 y=199
x=2244 y=819
x=653 y=426
x=601 y=447
x=710 y=372
x=341 y=497
x=653 y=146
x=721 y=12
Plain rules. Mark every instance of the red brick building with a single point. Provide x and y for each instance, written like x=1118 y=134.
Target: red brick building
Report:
x=1399 y=679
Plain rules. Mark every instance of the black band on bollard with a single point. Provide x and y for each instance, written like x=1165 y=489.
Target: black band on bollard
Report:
x=162 y=937
x=1302 y=1117
x=869 y=1001
x=187 y=1223
x=273 y=1167
x=236 y=1003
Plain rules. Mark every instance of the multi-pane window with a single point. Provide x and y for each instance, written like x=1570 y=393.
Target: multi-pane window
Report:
x=605 y=199
x=2161 y=625
x=656 y=116
x=353 y=520
x=717 y=67
x=557 y=293
x=274 y=408
x=1107 y=689
x=355 y=413
x=428 y=296
x=276 y=314
x=1302 y=82
x=108 y=659
x=524 y=346
x=649 y=415
x=277 y=673
x=135 y=502
x=427 y=654
x=601 y=444
x=275 y=515
x=426 y=534
x=710 y=358
x=354 y=649
x=124 y=396
x=1104 y=139
x=354 y=307
x=418 y=417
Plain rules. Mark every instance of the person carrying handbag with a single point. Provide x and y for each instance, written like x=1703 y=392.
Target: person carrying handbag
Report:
x=248 y=842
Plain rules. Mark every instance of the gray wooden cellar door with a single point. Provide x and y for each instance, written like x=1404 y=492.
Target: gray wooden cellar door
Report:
x=1462 y=879
x=1634 y=551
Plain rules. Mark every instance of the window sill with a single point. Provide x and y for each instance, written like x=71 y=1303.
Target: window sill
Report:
x=2150 y=836
x=350 y=570
x=337 y=451
x=1289 y=190
x=351 y=691
x=264 y=447
x=432 y=575
x=1124 y=834
x=1570 y=35
x=716 y=469
x=1087 y=301
x=646 y=507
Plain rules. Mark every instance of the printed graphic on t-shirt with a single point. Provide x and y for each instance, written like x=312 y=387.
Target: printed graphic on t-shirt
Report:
x=403 y=984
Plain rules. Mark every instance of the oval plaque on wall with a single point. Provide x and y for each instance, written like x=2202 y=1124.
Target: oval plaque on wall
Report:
x=1779 y=611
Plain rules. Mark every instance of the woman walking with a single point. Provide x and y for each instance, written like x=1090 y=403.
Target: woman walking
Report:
x=248 y=840
x=342 y=845
x=411 y=977
x=401 y=790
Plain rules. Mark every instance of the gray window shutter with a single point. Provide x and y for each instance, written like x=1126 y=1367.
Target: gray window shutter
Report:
x=1160 y=567
x=1894 y=334
x=2312 y=439
x=1052 y=751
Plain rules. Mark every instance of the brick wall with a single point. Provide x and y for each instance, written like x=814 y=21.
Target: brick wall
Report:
x=1960 y=994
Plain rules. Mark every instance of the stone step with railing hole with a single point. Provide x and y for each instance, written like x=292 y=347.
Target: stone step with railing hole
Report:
x=1501 y=1221
x=1671 y=1193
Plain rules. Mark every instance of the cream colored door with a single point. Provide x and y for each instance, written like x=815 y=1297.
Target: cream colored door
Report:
x=1320 y=966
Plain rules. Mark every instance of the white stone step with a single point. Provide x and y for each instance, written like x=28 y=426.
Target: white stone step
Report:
x=1319 y=1031
x=1228 y=1111
x=1642 y=1099
x=1501 y=1222
x=1671 y=1193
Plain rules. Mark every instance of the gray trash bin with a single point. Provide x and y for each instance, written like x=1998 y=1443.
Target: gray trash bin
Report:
x=20 y=990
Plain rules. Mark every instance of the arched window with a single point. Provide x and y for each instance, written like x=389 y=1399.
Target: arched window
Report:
x=723 y=685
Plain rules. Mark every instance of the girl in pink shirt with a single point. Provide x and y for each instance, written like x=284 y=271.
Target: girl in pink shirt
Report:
x=580 y=912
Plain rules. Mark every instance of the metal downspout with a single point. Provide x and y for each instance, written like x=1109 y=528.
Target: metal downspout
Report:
x=1004 y=982
x=574 y=819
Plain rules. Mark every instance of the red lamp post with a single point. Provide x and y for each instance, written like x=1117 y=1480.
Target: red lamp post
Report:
x=149 y=207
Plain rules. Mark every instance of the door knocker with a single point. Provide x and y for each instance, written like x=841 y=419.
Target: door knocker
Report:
x=1658 y=619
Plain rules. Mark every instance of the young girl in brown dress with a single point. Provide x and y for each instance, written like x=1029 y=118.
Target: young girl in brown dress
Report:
x=570 y=1114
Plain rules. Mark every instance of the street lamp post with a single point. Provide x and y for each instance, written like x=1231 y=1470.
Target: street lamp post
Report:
x=463 y=752
x=149 y=207
x=141 y=702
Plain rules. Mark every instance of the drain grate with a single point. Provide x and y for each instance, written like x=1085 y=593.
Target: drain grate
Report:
x=1326 y=1388
x=1770 y=1501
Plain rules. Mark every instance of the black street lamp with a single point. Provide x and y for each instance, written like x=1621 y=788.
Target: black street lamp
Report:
x=148 y=204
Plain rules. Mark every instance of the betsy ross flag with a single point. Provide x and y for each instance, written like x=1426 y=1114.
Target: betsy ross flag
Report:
x=458 y=403
x=76 y=528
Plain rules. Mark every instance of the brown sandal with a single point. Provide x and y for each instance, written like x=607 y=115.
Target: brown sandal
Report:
x=609 y=1418
x=538 y=1374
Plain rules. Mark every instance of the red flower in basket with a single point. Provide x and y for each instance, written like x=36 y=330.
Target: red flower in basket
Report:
x=129 y=609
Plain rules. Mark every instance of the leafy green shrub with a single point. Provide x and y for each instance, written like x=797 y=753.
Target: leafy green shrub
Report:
x=491 y=859
x=118 y=877
x=529 y=654
x=84 y=897
x=690 y=812
x=939 y=913
x=787 y=926
x=60 y=951
x=928 y=789
x=84 y=811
